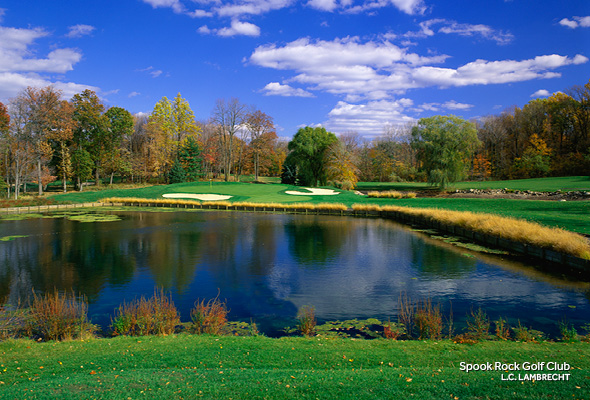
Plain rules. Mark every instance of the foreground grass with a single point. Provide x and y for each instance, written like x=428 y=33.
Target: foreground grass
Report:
x=184 y=366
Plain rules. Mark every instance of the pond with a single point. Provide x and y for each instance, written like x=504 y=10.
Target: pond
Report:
x=268 y=265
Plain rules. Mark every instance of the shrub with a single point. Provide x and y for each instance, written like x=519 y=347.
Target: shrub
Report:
x=502 y=329
x=306 y=320
x=568 y=332
x=524 y=334
x=393 y=331
x=13 y=321
x=209 y=317
x=406 y=313
x=478 y=324
x=154 y=316
x=59 y=316
x=428 y=320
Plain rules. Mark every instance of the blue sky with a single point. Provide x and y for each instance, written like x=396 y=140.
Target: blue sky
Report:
x=349 y=65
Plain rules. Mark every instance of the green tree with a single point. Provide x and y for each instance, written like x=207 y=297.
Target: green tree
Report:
x=190 y=158
x=177 y=173
x=308 y=149
x=120 y=130
x=81 y=164
x=92 y=132
x=444 y=145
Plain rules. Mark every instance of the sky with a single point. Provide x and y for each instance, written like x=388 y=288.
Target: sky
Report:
x=347 y=65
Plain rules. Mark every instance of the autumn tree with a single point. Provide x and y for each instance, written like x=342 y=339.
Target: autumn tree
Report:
x=120 y=129
x=4 y=144
x=260 y=126
x=444 y=145
x=229 y=117
x=340 y=165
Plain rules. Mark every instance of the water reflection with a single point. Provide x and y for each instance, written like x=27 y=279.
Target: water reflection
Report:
x=267 y=266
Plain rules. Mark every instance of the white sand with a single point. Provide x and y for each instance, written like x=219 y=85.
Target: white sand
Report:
x=204 y=197
x=313 y=192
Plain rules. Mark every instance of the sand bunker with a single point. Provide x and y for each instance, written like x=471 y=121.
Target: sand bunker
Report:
x=204 y=197
x=313 y=192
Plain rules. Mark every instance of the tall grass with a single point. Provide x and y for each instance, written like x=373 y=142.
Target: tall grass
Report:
x=154 y=316
x=428 y=320
x=306 y=320
x=209 y=317
x=59 y=316
x=391 y=194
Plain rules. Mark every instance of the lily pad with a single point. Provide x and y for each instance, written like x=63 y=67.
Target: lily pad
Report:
x=94 y=218
x=9 y=238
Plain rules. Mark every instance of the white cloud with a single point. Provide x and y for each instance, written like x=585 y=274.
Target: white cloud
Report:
x=175 y=5
x=2 y=14
x=453 y=105
x=379 y=70
x=370 y=118
x=250 y=7
x=239 y=28
x=77 y=31
x=13 y=83
x=152 y=71
x=133 y=94
x=541 y=93
x=576 y=22
x=277 y=89
x=16 y=56
x=427 y=28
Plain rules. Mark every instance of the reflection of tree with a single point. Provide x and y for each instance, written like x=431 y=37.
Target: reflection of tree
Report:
x=438 y=262
x=312 y=241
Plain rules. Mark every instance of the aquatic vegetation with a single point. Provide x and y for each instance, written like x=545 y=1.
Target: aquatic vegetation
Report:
x=209 y=317
x=306 y=320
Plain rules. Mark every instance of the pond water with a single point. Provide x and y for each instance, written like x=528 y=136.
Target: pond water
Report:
x=268 y=265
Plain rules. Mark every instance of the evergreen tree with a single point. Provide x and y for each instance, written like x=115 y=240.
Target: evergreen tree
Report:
x=190 y=158
x=177 y=173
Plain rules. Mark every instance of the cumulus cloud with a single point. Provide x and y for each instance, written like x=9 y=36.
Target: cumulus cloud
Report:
x=369 y=118
x=541 y=93
x=16 y=56
x=576 y=22
x=277 y=89
x=379 y=70
x=12 y=83
x=239 y=28
x=77 y=31
x=175 y=5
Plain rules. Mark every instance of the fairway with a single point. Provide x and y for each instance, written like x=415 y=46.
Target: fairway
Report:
x=569 y=215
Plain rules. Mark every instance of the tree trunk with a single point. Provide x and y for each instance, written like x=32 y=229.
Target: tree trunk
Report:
x=96 y=177
x=64 y=182
x=39 y=177
x=112 y=173
x=79 y=184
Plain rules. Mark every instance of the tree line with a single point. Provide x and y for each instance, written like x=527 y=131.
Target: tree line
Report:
x=44 y=138
x=546 y=137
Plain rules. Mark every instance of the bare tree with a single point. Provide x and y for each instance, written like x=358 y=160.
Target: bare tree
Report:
x=258 y=124
x=229 y=116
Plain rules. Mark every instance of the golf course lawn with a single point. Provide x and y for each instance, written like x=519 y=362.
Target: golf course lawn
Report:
x=187 y=367
x=569 y=215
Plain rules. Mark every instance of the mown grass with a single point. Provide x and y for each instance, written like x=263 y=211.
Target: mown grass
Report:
x=565 y=184
x=184 y=366
x=570 y=215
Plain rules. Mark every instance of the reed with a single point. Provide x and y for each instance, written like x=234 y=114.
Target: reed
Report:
x=428 y=320
x=306 y=320
x=209 y=317
x=391 y=194
x=154 y=316
x=59 y=316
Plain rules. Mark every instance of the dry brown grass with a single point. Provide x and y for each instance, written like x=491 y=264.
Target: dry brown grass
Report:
x=392 y=194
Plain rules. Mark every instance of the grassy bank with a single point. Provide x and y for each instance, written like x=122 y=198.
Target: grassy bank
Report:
x=184 y=366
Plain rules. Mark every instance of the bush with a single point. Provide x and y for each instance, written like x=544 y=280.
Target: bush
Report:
x=478 y=324
x=13 y=322
x=524 y=334
x=59 y=316
x=393 y=331
x=502 y=329
x=306 y=320
x=568 y=332
x=209 y=317
x=154 y=316
x=428 y=320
